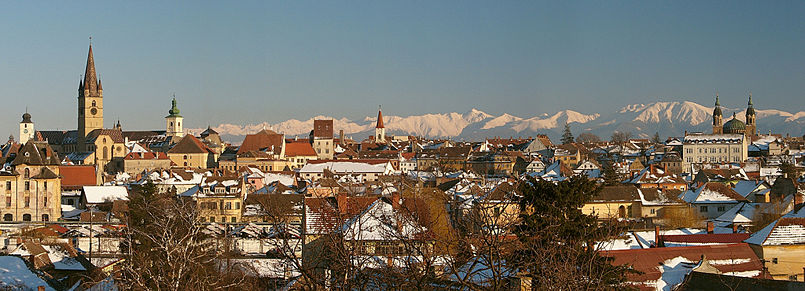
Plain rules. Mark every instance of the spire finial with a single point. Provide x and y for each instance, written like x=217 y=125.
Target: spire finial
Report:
x=750 y=98
x=90 y=40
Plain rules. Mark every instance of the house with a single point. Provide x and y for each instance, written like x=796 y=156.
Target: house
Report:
x=299 y=153
x=714 y=148
x=658 y=178
x=782 y=245
x=321 y=138
x=138 y=162
x=219 y=199
x=569 y=154
x=31 y=184
x=540 y=145
x=672 y=162
x=95 y=196
x=621 y=201
x=712 y=199
x=190 y=152
x=266 y=141
x=665 y=268
x=589 y=168
x=537 y=165
x=273 y=208
x=654 y=202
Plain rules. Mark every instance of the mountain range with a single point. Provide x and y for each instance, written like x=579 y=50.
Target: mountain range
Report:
x=642 y=120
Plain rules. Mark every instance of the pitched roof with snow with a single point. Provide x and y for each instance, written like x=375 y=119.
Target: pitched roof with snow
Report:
x=712 y=192
x=101 y=194
x=788 y=230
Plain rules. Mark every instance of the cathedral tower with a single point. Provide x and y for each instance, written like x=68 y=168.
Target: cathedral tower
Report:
x=751 y=127
x=717 y=118
x=90 y=103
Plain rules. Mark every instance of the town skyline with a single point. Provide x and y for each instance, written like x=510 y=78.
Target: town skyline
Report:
x=461 y=59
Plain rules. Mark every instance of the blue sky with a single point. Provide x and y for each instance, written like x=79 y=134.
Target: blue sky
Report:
x=248 y=62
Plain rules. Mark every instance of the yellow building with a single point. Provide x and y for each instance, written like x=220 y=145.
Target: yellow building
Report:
x=31 y=189
x=782 y=245
x=219 y=199
x=190 y=152
x=614 y=202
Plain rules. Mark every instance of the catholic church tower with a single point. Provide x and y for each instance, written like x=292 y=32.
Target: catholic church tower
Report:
x=751 y=126
x=717 y=118
x=173 y=122
x=380 y=129
x=90 y=103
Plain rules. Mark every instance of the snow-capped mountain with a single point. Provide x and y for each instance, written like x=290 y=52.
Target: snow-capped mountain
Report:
x=642 y=120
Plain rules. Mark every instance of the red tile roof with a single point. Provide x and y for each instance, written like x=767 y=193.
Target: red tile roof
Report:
x=649 y=261
x=323 y=128
x=295 y=149
x=263 y=140
x=77 y=176
x=189 y=145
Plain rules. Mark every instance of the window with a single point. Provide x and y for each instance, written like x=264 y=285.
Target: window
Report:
x=27 y=185
x=8 y=185
x=233 y=220
x=27 y=202
x=722 y=208
x=8 y=217
x=70 y=201
x=228 y=206
x=237 y=205
x=93 y=103
x=26 y=217
x=653 y=211
x=703 y=209
x=27 y=173
x=45 y=217
x=45 y=185
x=8 y=201
x=212 y=219
x=202 y=219
x=185 y=157
x=45 y=201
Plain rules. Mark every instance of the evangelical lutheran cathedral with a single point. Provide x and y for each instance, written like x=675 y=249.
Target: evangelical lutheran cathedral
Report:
x=92 y=144
x=735 y=126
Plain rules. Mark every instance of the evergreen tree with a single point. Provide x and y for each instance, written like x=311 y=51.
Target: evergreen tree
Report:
x=567 y=136
x=555 y=237
x=609 y=174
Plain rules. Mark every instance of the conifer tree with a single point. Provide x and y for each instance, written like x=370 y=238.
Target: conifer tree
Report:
x=567 y=136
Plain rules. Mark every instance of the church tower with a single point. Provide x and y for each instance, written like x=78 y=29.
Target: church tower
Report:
x=717 y=118
x=173 y=122
x=90 y=103
x=26 y=128
x=751 y=127
x=380 y=130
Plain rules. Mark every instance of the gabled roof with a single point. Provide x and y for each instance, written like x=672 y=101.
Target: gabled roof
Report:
x=46 y=173
x=262 y=141
x=788 y=230
x=115 y=134
x=36 y=153
x=189 y=144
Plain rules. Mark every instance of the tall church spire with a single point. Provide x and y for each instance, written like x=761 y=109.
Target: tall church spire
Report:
x=379 y=117
x=90 y=78
x=717 y=117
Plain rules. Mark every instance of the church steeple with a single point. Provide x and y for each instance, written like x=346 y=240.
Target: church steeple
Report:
x=717 y=118
x=751 y=127
x=90 y=77
x=380 y=129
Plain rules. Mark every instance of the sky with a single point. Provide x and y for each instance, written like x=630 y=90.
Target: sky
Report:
x=248 y=62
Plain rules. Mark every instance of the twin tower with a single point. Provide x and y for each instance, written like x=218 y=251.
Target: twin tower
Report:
x=735 y=126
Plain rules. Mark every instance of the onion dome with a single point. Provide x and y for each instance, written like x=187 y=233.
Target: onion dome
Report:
x=717 y=110
x=174 y=112
x=751 y=109
x=26 y=118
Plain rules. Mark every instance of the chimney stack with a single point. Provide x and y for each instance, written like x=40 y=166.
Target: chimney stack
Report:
x=710 y=227
x=341 y=136
x=657 y=236
x=734 y=228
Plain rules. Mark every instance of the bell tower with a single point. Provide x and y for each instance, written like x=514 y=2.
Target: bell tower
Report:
x=717 y=118
x=751 y=127
x=173 y=122
x=90 y=103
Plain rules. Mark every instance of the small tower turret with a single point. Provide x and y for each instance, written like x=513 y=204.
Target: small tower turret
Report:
x=380 y=129
x=26 y=128
x=717 y=118
x=751 y=127
x=173 y=121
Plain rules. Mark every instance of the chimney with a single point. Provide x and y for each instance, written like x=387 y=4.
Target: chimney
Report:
x=341 y=137
x=42 y=288
x=734 y=228
x=710 y=227
x=342 y=200
x=657 y=236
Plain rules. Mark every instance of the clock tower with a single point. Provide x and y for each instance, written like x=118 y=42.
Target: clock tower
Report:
x=90 y=103
x=26 y=128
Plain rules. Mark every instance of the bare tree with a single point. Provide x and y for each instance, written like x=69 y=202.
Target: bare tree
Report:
x=165 y=250
x=587 y=137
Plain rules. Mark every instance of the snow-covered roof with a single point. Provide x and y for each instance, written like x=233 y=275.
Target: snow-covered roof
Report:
x=377 y=222
x=711 y=192
x=346 y=167
x=101 y=194
x=740 y=213
x=788 y=230
x=14 y=271
x=714 y=138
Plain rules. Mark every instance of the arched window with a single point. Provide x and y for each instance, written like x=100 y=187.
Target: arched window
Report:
x=8 y=217
x=105 y=153
x=171 y=123
x=93 y=103
x=45 y=217
x=185 y=164
x=27 y=173
x=26 y=217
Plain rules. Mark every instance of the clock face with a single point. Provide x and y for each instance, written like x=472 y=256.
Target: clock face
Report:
x=93 y=111
x=25 y=131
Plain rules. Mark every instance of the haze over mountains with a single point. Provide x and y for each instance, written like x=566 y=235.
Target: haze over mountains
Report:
x=642 y=120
